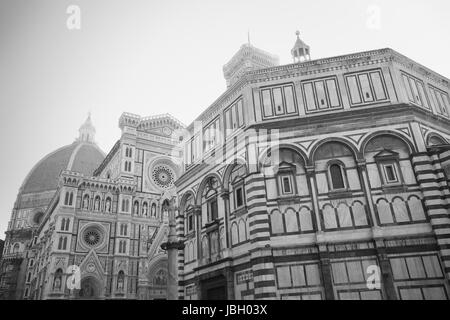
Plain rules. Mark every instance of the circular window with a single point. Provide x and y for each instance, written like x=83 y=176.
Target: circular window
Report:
x=163 y=176
x=92 y=236
x=38 y=217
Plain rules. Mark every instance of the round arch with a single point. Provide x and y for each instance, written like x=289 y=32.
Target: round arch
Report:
x=184 y=199
x=291 y=146
x=435 y=135
x=343 y=141
x=198 y=199
x=157 y=275
x=90 y=288
x=366 y=140
x=229 y=168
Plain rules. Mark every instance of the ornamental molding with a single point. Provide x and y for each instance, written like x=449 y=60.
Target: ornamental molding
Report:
x=310 y=68
x=419 y=69
x=290 y=71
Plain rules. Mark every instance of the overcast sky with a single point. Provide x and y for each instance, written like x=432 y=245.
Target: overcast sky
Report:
x=151 y=57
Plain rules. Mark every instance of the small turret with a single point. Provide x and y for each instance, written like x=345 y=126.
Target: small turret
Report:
x=300 y=52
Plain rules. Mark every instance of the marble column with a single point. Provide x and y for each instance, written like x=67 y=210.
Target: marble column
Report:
x=172 y=246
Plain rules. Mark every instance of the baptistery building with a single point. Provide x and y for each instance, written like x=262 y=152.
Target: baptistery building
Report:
x=320 y=179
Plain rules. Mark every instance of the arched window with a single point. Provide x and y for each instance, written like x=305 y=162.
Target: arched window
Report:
x=62 y=243
x=67 y=224
x=390 y=154
x=16 y=248
x=122 y=246
x=57 y=282
x=63 y=224
x=120 y=280
x=436 y=140
x=123 y=229
x=210 y=199
x=37 y=218
x=337 y=159
x=66 y=199
x=236 y=186
x=336 y=177
x=289 y=167
x=71 y=199
x=188 y=208
x=213 y=210
x=125 y=205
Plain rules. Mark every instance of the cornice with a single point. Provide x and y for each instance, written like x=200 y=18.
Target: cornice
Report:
x=420 y=69
x=314 y=67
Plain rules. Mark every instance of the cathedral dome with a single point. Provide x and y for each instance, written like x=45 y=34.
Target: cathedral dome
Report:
x=83 y=156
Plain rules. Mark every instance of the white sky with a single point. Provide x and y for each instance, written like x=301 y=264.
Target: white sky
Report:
x=150 y=57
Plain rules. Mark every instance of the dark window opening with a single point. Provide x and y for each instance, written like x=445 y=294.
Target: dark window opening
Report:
x=213 y=210
x=190 y=222
x=337 y=180
x=287 y=188
x=239 y=198
x=391 y=175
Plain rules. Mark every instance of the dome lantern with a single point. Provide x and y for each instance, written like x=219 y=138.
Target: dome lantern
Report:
x=300 y=52
x=87 y=131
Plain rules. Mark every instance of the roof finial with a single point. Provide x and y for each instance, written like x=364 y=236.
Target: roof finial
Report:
x=298 y=34
x=248 y=37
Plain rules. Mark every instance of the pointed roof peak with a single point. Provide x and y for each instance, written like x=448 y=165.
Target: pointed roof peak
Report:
x=88 y=121
x=87 y=130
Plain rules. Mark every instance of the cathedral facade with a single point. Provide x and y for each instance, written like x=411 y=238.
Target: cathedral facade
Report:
x=321 y=179
x=90 y=226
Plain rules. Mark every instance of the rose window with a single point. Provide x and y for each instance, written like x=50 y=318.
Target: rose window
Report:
x=92 y=237
x=163 y=176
